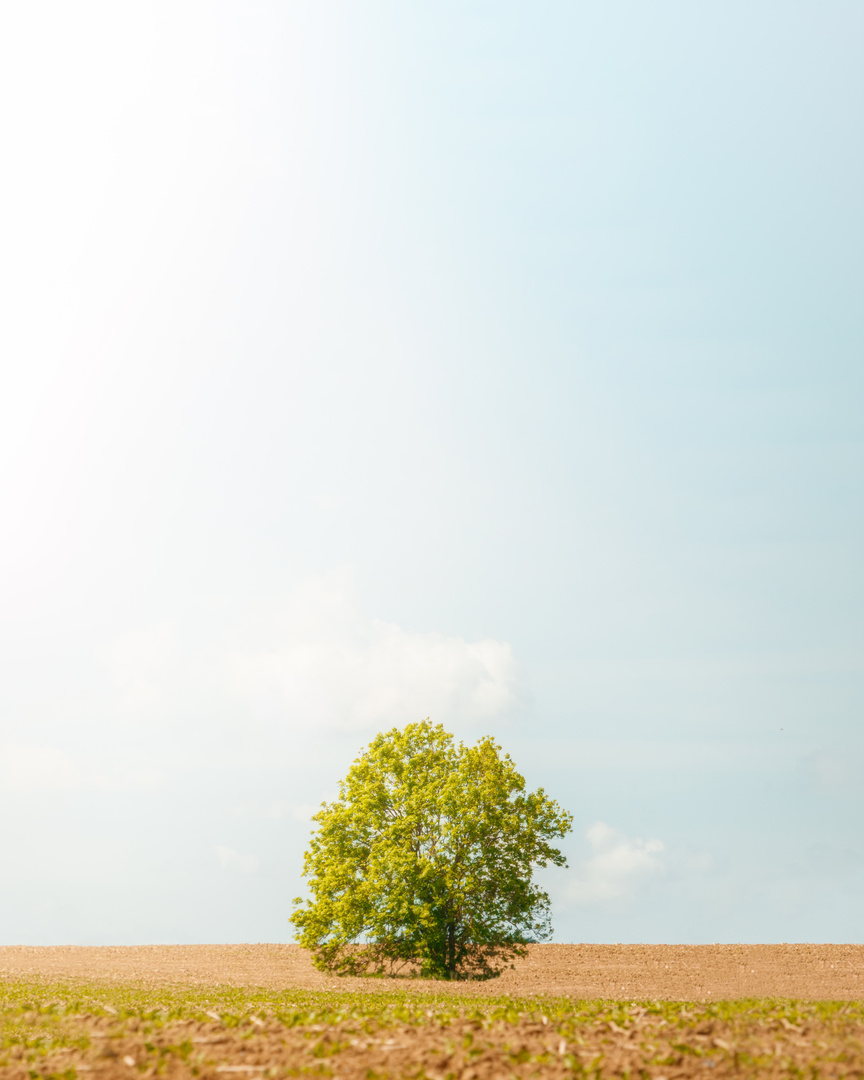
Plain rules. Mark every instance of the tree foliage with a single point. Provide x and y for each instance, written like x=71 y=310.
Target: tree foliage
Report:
x=425 y=860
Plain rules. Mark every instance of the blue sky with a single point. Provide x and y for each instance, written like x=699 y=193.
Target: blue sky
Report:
x=495 y=362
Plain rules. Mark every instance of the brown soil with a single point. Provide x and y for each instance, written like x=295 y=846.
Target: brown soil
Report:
x=640 y=1045
x=651 y=1043
x=623 y=972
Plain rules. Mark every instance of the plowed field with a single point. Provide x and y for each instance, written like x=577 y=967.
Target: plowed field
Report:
x=625 y=972
x=262 y=1010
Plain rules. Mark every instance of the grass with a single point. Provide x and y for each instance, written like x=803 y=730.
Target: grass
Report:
x=40 y=1019
x=47 y=1003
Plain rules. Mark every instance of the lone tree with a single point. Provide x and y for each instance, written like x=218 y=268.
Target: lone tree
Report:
x=425 y=861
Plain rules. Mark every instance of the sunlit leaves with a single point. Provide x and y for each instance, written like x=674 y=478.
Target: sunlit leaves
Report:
x=424 y=863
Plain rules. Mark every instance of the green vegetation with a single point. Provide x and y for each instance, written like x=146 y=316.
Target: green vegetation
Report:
x=42 y=1006
x=40 y=1022
x=424 y=863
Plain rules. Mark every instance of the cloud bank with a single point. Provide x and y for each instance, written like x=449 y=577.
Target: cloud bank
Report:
x=263 y=684
x=617 y=870
x=28 y=767
x=332 y=667
x=317 y=663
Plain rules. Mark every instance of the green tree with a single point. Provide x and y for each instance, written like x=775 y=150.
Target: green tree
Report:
x=425 y=861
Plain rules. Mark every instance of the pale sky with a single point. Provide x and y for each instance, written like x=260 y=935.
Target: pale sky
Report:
x=494 y=362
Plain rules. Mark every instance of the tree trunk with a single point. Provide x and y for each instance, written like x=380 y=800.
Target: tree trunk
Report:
x=451 y=950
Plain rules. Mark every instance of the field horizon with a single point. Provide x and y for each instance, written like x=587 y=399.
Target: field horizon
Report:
x=649 y=1011
x=581 y=971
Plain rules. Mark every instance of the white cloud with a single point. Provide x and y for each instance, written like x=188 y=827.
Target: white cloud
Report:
x=332 y=667
x=140 y=663
x=276 y=810
x=318 y=664
x=832 y=772
x=229 y=859
x=617 y=869
x=326 y=500
x=26 y=767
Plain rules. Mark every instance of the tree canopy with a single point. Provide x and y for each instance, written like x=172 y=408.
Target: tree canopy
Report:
x=425 y=860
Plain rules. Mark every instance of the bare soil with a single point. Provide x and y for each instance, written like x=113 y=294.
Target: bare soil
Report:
x=621 y=972
x=637 y=1044
x=639 y=1033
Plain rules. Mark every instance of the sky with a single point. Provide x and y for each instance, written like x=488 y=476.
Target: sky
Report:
x=494 y=362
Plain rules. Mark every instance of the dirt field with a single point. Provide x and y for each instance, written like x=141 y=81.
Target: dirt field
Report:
x=262 y=1010
x=623 y=972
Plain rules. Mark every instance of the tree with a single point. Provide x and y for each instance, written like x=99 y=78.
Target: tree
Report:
x=425 y=861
